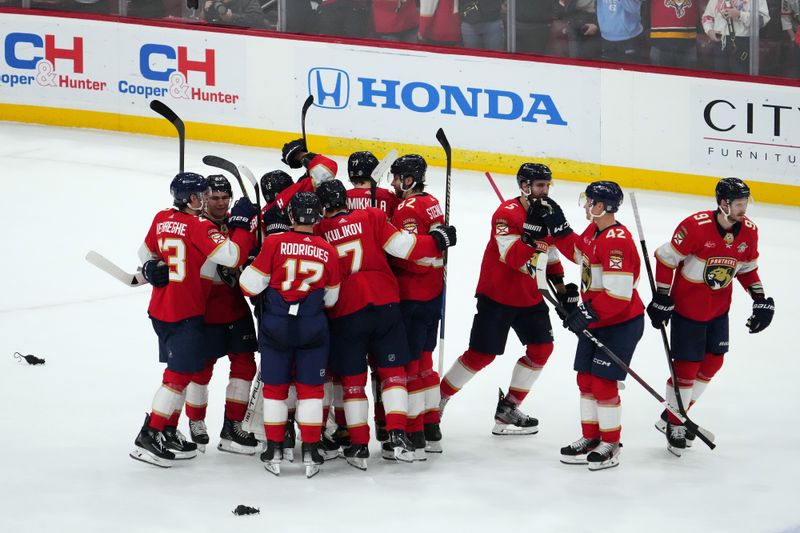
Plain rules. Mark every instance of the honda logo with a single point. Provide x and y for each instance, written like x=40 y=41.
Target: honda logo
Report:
x=329 y=86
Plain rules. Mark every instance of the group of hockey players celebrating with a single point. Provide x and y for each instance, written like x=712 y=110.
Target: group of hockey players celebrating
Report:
x=345 y=283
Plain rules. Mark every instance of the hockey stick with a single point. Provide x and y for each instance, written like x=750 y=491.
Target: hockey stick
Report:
x=661 y=328
x=163 y=109
x=702 y=433
x=306 y=105
x=224 y=164
x=378 y=172
x=104 y=264
x=248 y=174
x=442 y=138
x=494 y=186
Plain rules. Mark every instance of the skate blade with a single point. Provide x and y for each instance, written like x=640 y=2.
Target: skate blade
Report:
x=357 y=462
x=288 y=455
x=574 y=460
x=403 y=455
x=201 y=448
x=611 y=463
x=273 y=468
x=507 y=429
x=433 y=446
x=419 y=455
x=311 y=470
x=147 y=457
x=677 y=452
x=230 y=446
x=182 y=456
x=388 y=455
x=330 y=454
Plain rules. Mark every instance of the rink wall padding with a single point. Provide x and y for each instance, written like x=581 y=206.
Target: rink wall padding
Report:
x=652 y=130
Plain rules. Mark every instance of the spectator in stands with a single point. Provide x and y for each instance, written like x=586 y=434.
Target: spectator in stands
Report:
x=673 y=33
x=345 y=18
x=246 y=13
x=533 y=19
x=582 y=31
x=396 y=20
x=790 y=19
x=300 y=17
x=727 y=23
x=621 y=30
x=482 y=24
x=439 y=22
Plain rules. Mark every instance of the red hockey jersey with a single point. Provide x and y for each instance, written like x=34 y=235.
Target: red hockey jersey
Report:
x=610 y=265
x=295 y=264
x=504 y=274
x=420 y=282
x=359 y=198
x=362 y=238
x=707 y=258
x=192 y=247
x=226 y=303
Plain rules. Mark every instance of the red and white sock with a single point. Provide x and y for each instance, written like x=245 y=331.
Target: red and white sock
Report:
x=463 y=370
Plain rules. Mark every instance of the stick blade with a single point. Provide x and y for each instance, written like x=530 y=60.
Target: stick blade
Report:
x=384 y=165
x=442 y=138
x=101 y=262
x=224 y=164
x=165 y=111
x=248 y=175
x=308 y=103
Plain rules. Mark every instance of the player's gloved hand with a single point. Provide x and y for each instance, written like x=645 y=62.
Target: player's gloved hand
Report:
x=660 y=309
x=251 y=256
x=276 y=220
x=569 y=300
x=320 y=168
x=554 y=218
x=156 y=272
x=763 y=310
x=444 y=235
x=291 y=151
x=580 y=318
x=229 y=276
x=534 y=227
x=242 y=214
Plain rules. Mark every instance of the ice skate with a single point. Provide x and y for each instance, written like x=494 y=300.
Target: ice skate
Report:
x=417 y=439
x=509 y=420
x=398 y=447
x=605 y=455
x=433 y=438
x=661 y=425
x=328 y=447
x=289 y=439
x=272 y=457
x=676 y=439
x=356 y=455
x=312 y=458
x=234 y=439
x=576 y=453
x=178 y=444
x=199 y=434
x=151 y=447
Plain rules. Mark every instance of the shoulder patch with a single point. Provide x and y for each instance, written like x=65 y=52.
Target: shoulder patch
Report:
x=215 y=235
x=501 y=228
x=680 y=235
x=615 y=258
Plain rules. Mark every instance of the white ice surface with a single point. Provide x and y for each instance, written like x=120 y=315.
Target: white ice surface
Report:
x=67 y=426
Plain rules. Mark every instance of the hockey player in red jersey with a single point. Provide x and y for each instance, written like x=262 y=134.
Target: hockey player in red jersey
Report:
x=318 y=170
x=299 y=275
x=180 y=254
x=229 y=331
x=360 y=166
x=367 y=319
x=694 y=286
x=610 y=309
x=273 y=218
x=508 y=298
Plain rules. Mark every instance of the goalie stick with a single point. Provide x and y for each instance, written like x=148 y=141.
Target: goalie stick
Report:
x=442 y=138
x=224 y=164
x=104 y=264
x=378 y=172
x=164 y=110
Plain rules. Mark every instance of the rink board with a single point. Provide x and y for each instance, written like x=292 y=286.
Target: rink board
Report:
x=648 y=130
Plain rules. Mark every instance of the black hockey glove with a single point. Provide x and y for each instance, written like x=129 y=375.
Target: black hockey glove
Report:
x=242 y=214
x=156 y=272
x=534 y=227
x=554 y=219
x=276 y=220
x=229 y=276
x=290 y=152
x=763 y=309
x=660 y=309
x=580 y=318
x=569 y=300
x=444 y=235
x=251 y=256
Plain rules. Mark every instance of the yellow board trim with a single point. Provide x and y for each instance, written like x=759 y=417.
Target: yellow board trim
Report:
x=465 y=159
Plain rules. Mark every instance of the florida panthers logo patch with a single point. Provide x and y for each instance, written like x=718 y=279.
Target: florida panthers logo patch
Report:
x=680 y=6
x=719 y=271
x=216 y=236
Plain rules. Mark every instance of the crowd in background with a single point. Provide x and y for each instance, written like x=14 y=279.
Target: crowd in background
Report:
x=696 y=34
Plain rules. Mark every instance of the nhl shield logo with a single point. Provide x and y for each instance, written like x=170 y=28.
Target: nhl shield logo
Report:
x=719 y=271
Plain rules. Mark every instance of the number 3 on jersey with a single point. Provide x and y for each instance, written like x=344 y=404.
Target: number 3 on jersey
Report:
x=174 y=253
x=294 y=267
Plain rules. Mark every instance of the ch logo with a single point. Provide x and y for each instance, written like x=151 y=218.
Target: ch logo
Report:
x=329 y=86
